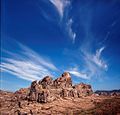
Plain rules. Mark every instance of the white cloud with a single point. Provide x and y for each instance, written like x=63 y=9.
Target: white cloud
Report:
x=77 y=73
x=94 y=64
x=71 y=34
x=27 y=65
x=60 y=5
x=97 y=58
x=37 y=58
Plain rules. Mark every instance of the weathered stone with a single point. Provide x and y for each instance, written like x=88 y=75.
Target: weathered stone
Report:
x=59 y=99
x=48 y=90
x=73 y=93
x=34 y=91
x=22 y=93
x=63 y=81
x=46 y=82
x=83 y=89
x=37 y=93
x=64 y=93
x=43 y=96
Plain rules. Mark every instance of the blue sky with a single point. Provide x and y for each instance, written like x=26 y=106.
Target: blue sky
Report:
x=48 y=37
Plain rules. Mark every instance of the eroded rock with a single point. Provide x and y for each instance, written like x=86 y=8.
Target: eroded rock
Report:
x=46 y=82
x=47 y=90
x=83 y=89
x=64 y=81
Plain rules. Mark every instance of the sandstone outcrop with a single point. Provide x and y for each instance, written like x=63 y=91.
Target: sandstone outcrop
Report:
x=48 y=90
x=83 y=89
x=22 y=93
x=46 y=82
x=64 y=81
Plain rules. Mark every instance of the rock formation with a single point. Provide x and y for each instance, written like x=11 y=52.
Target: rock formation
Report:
x=83 y=89
x=60 y=97
x=46 y=82
x=64 y=81
x=48 y=89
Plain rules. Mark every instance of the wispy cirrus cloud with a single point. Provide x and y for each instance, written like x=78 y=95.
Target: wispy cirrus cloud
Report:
x=94 y=63
x=77 y=73
x=97 y=58
x=27 y=64
x=89 y=64
x=90 y=50
x=71 y=34
x=37 y=58
x=60 y=5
